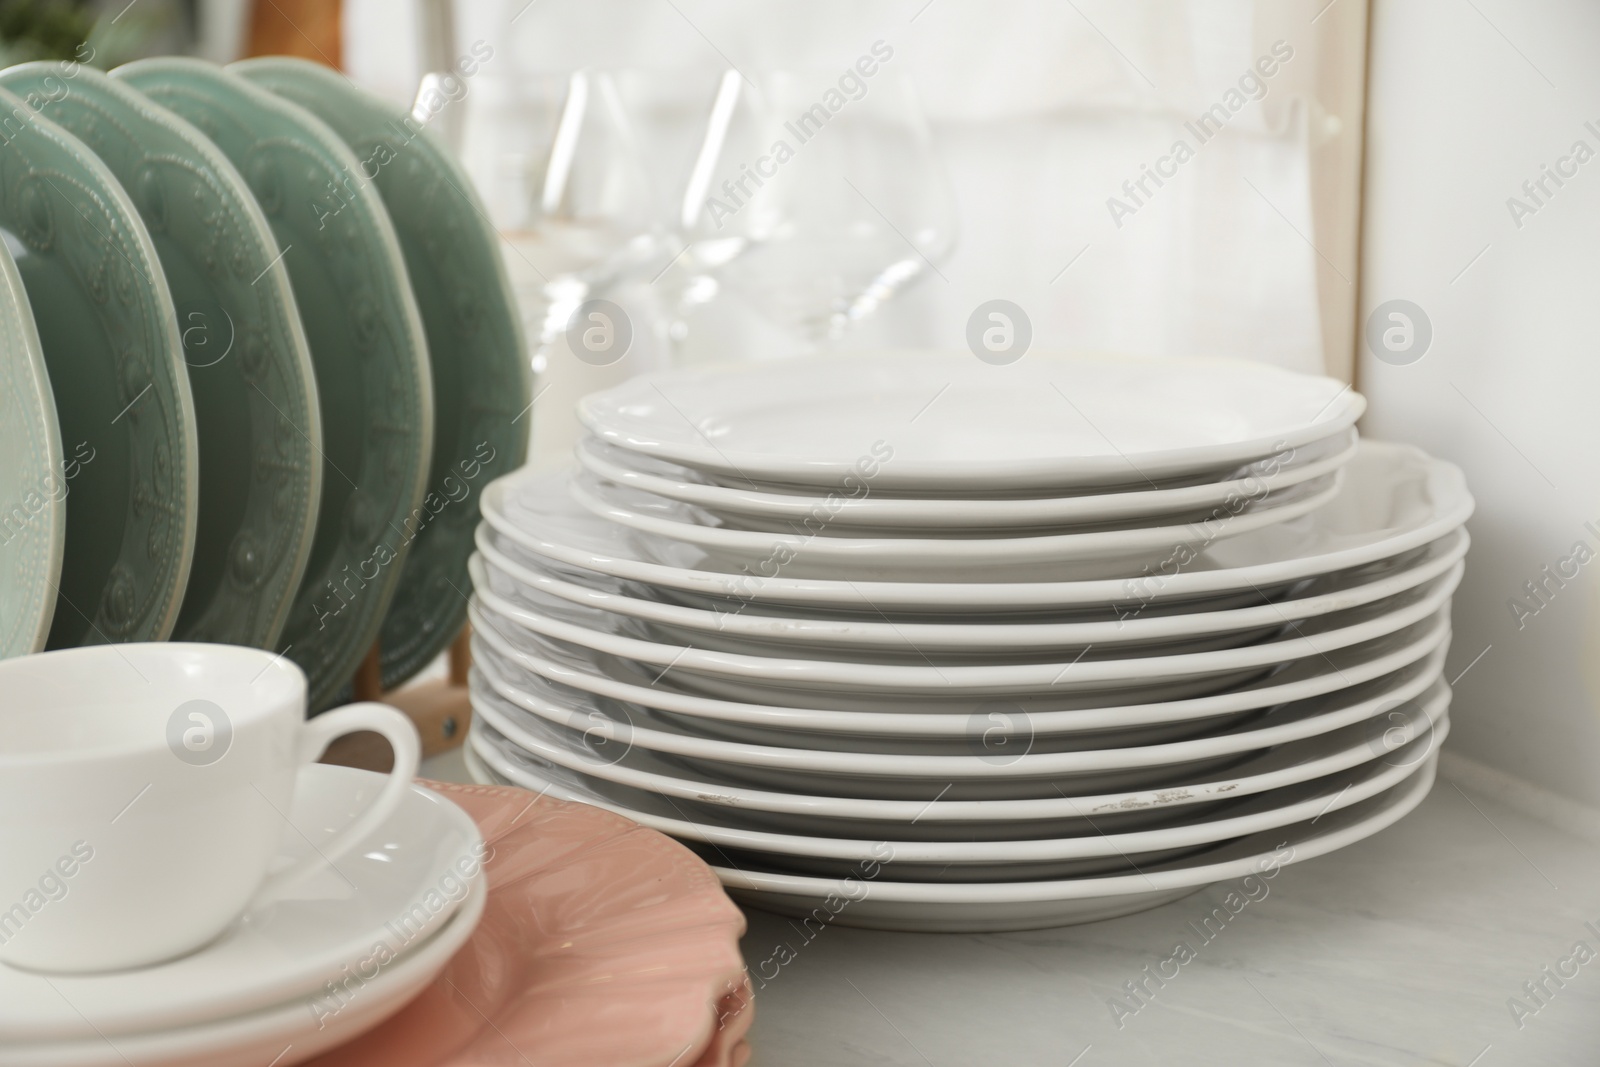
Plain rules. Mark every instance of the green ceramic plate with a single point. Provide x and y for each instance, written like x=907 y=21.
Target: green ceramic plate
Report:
x=481 y=378
x=110 y=340
x=367 y=346
x=249 y=368
x=33 y=483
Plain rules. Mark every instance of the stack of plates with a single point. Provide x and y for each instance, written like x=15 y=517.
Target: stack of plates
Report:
x=932 y=644
x=260 y=356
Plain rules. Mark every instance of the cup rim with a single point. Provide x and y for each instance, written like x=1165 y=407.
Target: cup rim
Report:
x=261 y=665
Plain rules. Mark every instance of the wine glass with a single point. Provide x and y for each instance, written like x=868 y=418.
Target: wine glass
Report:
x=817 y=196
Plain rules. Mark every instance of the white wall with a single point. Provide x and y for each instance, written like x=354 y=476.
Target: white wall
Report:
x=1467 y=100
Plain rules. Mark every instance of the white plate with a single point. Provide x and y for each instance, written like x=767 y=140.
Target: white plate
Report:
x=283 y=949
x=769 y=634
x=1090 y=851
x=869 y=899
x=1394 y=498
x=992 y=787
x=1119 y=552
x=771 y=679
x=592 y=733
x=949 y=422
x=983 y=788
x=862 y=509
x=1099 y=726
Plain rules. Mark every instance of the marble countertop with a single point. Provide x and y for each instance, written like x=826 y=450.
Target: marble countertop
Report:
x=1461 y=936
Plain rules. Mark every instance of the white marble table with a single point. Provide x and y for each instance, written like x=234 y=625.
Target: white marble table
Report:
x=1404 y=949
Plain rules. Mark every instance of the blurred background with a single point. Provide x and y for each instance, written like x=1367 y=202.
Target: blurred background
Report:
x=1187 y=177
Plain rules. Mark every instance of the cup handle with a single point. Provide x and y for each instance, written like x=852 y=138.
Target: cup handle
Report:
x=315 y=736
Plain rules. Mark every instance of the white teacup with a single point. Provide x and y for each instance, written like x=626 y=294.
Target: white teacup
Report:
x=144 y=792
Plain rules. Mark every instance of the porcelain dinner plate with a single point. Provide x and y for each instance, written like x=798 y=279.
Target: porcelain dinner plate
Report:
x=860 y=508
x=946 y=422
x=110 y=339
x=763 y=633
x=1394 y=498
x=284 y=948
x=1091 y=850
x=33 y=482
x=1121 y=551
x=248 y=366
x=763 y=677
x=799 y=782
x=874 y=899
x=592 y=733
x=480 y=370
x=1081 y=724
x=367 y=345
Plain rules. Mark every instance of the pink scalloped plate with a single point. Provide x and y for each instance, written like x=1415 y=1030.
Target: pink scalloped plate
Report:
x=602 y=943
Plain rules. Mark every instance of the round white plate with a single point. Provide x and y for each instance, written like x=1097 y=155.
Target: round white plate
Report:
x=870 y=898
x=859 y=508
x=601 y=733
x=764 y=678
x=1070 y=785
x=757 y=632
x=280 y=1036
x=280 y=950
x=1099 y=726
x=1393 y=498
x=1086 y=852
x=1120 y=552
x=944 y=422
x=1012 y=795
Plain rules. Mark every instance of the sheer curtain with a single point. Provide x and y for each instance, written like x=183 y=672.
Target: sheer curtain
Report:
x=1051 y=118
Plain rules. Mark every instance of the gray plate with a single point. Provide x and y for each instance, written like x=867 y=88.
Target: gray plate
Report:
x=366 y=342
x=33 y=482
x=248 y=365
x=110 y=338
x=481 y=377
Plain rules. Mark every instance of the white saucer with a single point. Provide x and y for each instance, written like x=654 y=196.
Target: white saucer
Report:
x=398 y=889
x=863 y=509
x=1394 y=498
x=946 y=422
x=284 y=1034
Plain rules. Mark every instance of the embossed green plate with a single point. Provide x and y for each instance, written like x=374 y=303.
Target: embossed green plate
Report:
x=110 y=339
x=33 y=484
x=481 y=379
x=367 y=345
x=249 y=368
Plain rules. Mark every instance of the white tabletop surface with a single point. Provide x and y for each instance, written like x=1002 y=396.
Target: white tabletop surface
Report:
x=1404 y=949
